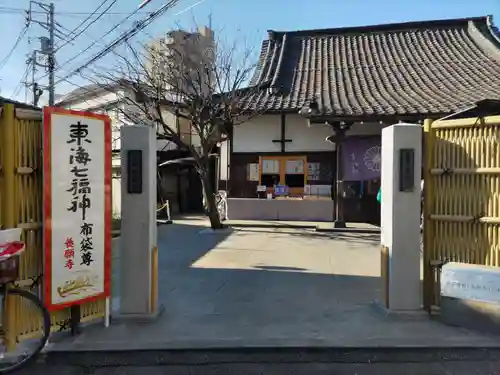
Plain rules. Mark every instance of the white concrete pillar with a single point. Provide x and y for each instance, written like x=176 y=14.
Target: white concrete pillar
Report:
x=400 y=213
x=138 y=252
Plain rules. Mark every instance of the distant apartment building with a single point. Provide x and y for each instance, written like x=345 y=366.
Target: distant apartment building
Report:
x=182 y=61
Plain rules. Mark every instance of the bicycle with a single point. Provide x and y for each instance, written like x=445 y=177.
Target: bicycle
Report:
x=10 y=253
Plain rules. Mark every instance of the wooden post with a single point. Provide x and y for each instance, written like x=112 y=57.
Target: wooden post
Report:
x=74 y=318
x=8 y=212
x=154 y=279
x=428 y=230
x=384 y=273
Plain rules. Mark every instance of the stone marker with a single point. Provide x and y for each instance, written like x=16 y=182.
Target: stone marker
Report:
x=400 y=216
x=138 y=244
x=470 y=296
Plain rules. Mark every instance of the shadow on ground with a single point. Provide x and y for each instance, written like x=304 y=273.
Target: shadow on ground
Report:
x=300 y=232
x=244 y=288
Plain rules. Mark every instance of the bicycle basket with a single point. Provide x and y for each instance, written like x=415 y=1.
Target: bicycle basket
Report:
x=10 y=249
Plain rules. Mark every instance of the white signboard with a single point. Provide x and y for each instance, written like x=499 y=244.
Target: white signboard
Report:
x=471 y=282
x=270 y=166
x=77 y=207
x=253 y=172
x=294 y=166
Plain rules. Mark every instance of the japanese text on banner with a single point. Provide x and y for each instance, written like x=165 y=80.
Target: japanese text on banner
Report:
x=80 y=189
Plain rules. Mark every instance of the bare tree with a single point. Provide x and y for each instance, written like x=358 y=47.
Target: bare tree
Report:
x=193 y=80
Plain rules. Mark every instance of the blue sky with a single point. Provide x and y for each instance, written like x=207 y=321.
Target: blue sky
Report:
x=246 y=19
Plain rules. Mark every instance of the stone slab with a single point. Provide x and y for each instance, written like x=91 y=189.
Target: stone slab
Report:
x=280 y=209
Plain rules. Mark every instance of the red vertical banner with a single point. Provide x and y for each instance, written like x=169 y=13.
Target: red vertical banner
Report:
x=77 y=207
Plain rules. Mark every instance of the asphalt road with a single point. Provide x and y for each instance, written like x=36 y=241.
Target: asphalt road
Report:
x=427 y=368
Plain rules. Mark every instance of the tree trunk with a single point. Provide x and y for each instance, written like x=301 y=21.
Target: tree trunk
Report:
x=212 y=212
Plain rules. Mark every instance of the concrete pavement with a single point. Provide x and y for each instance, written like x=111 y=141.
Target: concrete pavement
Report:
x=263 y=287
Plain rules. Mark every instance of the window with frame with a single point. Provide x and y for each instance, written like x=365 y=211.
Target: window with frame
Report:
x=294 y=176
x=270 y=175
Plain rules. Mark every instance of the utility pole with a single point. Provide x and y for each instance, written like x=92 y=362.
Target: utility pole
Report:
x=50 y=56
x=34 y=85
x=47 y=49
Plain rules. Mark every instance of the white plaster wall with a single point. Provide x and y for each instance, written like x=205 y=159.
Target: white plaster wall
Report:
x=110 y=101
x=171 y=121
x=116 y=160
x=256 y=135
x=116 y=194
x=98 y=101
x=224 y=160
x=116 y=124
x=306 y=138
x=366 y=128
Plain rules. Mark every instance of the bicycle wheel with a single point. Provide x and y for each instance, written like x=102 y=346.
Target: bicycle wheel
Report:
x=27 y=350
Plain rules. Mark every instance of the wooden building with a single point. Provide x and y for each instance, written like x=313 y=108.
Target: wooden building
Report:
x=361 y=78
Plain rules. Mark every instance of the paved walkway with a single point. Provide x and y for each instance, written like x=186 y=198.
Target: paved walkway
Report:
x=268 y=287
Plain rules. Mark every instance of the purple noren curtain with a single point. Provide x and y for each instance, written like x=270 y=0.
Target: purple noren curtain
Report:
x=361 y=158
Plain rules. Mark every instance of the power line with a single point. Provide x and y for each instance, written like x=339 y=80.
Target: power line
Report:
x=74 y=14
x=21 y=82
x=16 y=43
x=92 y=45
x=138 y=26
x=89 y=24
x=66 y=30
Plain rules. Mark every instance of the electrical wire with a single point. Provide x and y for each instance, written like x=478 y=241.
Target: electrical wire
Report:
x=130 y=15
x=9 y=10
x=21 y=82
x=16 y=43
x=76 y=35
x=93 y=39
x=68 y=32
x=138 y=26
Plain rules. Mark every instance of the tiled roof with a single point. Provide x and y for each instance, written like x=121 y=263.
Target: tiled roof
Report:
x=18 y=104
x=430 y=67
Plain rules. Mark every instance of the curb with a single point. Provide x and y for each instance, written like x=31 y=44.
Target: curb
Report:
x=308 y=226
x=277 y=355
x=349 y=230
x=258 y=225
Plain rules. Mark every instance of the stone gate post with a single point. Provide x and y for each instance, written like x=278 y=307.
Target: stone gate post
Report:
x=138 y=251
x=400 y=215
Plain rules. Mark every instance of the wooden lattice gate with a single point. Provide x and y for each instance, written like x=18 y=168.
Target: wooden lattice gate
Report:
x=21 y=206
x=462 y=196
